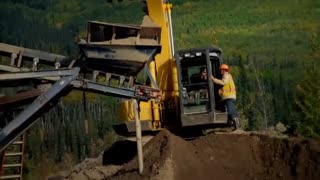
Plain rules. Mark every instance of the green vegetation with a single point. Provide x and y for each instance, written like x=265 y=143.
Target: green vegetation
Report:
x=273 y=48
x=306 y=105
x=270 y=45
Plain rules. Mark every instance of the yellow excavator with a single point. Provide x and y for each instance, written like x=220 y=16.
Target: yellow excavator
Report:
x=186 y=101
x=111 y=59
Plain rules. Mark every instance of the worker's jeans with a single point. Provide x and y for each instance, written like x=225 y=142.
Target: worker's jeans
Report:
x=231 y=108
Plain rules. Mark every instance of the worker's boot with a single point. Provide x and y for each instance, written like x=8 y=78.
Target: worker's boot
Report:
x=236 y=123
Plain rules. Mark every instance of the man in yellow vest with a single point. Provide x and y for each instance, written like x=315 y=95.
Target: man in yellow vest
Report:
x=228 y=94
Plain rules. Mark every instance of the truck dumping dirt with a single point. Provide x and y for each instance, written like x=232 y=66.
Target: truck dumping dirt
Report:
x=215 y=156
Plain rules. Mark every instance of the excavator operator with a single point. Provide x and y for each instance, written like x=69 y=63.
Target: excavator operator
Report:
x=201 y=76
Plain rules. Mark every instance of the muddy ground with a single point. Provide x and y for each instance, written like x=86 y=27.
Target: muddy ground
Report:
x=214 y=156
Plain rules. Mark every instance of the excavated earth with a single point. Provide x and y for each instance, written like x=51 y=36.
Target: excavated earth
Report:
x=214 y=156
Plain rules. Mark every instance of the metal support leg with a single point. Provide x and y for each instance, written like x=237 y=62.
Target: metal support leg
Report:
x=138 y=135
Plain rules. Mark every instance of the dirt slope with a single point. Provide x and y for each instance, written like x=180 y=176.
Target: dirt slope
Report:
x=215 y=156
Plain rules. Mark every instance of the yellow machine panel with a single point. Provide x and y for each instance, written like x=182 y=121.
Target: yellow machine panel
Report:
x=163 y=70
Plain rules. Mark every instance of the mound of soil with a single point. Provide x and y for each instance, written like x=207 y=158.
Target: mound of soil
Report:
x=214 y=156
x=225 y=156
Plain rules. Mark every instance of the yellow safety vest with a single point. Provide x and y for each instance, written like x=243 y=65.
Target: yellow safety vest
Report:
x=229 y=89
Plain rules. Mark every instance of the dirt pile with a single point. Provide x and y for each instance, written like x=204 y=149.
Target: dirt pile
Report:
x=226 y=156
x=214 y=156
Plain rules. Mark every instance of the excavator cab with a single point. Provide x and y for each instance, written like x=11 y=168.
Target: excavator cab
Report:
x=199 y=99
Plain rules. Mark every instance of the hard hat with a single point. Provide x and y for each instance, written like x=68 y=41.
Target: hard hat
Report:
x=224 y=67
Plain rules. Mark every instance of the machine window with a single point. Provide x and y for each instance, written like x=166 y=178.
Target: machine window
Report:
x=195 y=87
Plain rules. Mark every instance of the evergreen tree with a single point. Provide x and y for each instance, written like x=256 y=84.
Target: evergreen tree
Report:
x=306 y=117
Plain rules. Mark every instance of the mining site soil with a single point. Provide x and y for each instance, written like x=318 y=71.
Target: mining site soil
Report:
x=214 y=156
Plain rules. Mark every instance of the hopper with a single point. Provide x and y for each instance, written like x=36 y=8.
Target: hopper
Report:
x=120 y=49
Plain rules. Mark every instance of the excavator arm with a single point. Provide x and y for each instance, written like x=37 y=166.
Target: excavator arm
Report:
x=163 y=70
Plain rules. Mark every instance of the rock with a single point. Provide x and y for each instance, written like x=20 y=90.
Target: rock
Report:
x=94 y=174
x=108 y=170
x=59 y=176
x=79 y=176
x=280 y=127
